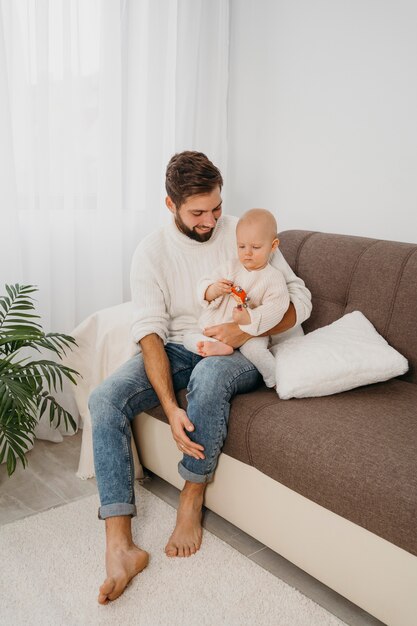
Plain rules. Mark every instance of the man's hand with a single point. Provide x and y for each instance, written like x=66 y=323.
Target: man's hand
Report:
x=179 y=421
x=229 y=333
x=217 y=289
x=240 y=315
x=158 y=370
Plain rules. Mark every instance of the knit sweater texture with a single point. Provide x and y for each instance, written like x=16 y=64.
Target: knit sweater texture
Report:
x=166 y=269
x=266 y=289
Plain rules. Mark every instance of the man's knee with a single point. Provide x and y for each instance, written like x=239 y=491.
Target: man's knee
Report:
x=214 y=377
x=116 y=393
x=100 y=399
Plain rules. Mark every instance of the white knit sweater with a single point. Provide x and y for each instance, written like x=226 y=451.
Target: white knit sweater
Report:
x=166 y=268
x=266 y=288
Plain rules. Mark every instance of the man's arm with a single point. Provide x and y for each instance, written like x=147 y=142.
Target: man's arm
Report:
x=158 y=370
x=300 y=296
x=288 y=321
x=231 y=334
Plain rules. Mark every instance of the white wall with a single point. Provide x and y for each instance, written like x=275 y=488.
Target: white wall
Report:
x=323 y=114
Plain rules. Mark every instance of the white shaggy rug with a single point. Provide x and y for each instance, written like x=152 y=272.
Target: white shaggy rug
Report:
x=53 y=563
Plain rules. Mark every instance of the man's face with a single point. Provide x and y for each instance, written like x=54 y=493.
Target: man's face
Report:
x=197 y=216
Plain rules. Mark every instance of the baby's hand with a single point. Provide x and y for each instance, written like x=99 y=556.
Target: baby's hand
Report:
x=217 y=289
x=240 y=315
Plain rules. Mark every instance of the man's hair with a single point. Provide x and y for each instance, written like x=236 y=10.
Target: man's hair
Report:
x=189 y=174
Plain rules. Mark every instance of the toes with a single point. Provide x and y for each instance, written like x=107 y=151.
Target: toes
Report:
x=182 y=550
x=102 y=598
x=111 y=589
x=118 y=591
x=171 y=550
x=105 y=590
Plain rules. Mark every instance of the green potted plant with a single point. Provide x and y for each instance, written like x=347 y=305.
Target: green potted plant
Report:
x=27 y=383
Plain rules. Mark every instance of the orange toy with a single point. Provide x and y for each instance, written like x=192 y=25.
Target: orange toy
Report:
x=240 y=296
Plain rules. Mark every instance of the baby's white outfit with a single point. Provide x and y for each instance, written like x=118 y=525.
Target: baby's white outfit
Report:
x=269 y=300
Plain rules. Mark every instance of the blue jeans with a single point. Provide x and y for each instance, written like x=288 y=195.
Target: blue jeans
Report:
x=211 y=383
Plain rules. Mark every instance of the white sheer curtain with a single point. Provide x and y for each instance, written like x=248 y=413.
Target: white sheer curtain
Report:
x=95 y=96
x=61 y=96
x=175 y=94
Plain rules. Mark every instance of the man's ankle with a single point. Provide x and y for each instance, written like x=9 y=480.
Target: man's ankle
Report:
x=119 y=531
x=193 y=490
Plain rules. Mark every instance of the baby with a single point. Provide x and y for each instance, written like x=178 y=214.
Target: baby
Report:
x=268 y=298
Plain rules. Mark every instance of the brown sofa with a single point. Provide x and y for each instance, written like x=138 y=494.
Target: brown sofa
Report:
x=330 y=483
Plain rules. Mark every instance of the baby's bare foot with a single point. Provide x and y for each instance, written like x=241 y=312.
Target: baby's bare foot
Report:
x=213 y=348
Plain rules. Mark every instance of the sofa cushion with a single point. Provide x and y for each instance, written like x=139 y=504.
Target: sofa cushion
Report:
x=353 y=453
x=346 y=354
x=346 y=273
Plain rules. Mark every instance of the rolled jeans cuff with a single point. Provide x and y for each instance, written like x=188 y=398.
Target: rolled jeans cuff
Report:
x=192 y=477
x=115 y=510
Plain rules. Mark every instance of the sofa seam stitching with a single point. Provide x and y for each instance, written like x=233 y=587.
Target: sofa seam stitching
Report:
x=395 y=291
x=355 y=266
x=300 y=247
x=342 y=304
x=248 y=428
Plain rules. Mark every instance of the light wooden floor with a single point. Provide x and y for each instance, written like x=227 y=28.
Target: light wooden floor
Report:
x=50 y=481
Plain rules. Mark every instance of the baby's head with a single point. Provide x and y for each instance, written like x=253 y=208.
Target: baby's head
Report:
x=256 y=235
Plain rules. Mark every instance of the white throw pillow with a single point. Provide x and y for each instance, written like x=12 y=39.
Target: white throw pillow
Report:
x=341 y=356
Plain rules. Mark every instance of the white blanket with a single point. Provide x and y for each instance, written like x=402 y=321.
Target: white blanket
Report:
x=104 y=343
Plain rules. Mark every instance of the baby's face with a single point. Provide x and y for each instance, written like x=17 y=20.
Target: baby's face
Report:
x=254 y=245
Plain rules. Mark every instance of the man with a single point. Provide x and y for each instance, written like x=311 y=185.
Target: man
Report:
x=165 y=270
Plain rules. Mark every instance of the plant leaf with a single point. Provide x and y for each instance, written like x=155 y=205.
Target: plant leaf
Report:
x=26 y=383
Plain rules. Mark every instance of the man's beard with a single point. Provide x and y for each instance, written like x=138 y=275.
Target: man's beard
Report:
x=191 y=232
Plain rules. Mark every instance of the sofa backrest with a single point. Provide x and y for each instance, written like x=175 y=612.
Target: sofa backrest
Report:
x=346 y=273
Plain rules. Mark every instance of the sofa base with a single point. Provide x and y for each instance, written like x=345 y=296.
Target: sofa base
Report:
x=366 y=569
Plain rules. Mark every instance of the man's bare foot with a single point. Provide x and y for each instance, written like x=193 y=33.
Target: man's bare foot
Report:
x=213 y=348
x=122 y=564
x=187 y=535
x=123 y=558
